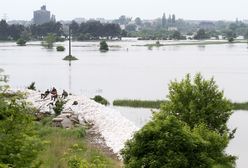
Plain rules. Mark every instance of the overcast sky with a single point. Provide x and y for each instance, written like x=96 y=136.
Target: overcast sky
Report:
x=110 y=9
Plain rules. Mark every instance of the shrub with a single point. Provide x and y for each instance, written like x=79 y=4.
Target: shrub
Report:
x=172 y=143
x=60 y=48
x=32 y=86
x=101 y=100
x=198 y=101
x=104 y=46
x=59 y=106
x=21 y=42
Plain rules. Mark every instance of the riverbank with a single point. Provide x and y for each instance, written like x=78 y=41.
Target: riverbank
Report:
x=156 y=104
x=111 y=126
x=190 y=43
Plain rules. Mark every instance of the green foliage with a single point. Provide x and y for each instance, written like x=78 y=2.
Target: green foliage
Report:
x=230 y=39
x=139 y=103
x=32 y=86
x=67 y=147
x=70 y=58
x=198 y=101
x=189 y=131
x=101 y=100
x=104 y=46
x=21 y=42
x=201 y=35
x=59 y=106
x=171 y=143
x=60 y=48
x=240 y=106
x=49 y=40
x=19 y=142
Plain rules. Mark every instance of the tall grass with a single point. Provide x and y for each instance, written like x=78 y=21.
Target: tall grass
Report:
x=139 y=103
x=240 y=106
x=61 y=145
x=156 y=104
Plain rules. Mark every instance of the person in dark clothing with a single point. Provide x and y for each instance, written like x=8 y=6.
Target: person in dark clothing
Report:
x=44 y=95
x=54 y=94
x=64 y=94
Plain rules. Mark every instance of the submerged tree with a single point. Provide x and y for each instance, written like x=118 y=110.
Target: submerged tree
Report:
x=104 y=46
x=49 y=40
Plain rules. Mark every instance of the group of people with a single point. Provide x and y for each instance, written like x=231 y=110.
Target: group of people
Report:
x=54 y=94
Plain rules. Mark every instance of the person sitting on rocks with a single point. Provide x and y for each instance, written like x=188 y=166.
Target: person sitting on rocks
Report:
x=54 y=94
x=44 y=95
x=64 y=94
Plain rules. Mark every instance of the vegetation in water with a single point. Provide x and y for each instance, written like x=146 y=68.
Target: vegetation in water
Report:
x=103 y=46
x=139 y=103
x=70 y=58
x=101 y=100
x=187 y=128
x=21 y=42
x=60 y=48
x=49 y=40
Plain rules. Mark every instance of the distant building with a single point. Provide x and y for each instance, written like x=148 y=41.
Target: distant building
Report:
x=42 y=16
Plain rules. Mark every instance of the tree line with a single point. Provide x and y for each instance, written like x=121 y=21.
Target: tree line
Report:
x=85 y=31
x=93 y=30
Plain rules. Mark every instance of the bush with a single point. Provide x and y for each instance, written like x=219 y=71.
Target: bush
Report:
x=172 y=143
x=19 y=142
x=59 y=106
x=198 y=101
x=21 y=42
x=60 y=48
x=189 y=131
x=104 y=46
x=231 y=40
x=32 y=86
x=101 y=100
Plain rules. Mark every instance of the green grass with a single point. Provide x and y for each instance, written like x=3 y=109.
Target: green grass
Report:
x=192 y=43
x=156 y=104
x=240 y=106
x=70 y=58
x=138 y=103
x=63 y=145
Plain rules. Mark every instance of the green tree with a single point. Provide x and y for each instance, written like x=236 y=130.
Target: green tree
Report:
x=163 y=20
x=201 y=35
x=19 y=142
x=3 y=30
x=138 y=21
x=171 y=143
x=21 y=42
x=49 y=40
x=198 y=101
x=104 y=46
x=130 y=27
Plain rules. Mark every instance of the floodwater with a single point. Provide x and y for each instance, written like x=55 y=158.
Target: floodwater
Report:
x=126 y=71
x=132 y=72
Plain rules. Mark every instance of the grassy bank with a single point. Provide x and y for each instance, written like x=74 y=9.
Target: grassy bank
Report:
x=138 y=103
x=156 y=104
x=63 y=147
x=192 y=43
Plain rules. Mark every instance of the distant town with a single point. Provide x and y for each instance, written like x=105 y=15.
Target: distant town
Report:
x=166 y=27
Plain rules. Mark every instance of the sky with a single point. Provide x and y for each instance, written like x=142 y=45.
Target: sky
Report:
x=112 y=9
